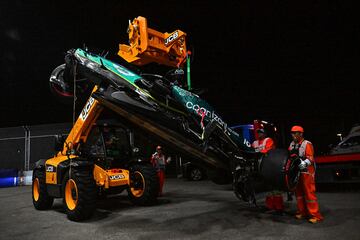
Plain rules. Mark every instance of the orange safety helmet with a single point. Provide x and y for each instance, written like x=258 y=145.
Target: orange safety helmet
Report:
x=297 y=129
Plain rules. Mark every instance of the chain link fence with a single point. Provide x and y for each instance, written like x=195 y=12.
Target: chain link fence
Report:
x=21 y=147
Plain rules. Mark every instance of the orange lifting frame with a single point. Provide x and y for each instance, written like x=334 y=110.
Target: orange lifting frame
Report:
x=148 y=45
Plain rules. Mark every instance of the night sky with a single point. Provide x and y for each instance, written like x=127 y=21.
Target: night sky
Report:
x=283 y=62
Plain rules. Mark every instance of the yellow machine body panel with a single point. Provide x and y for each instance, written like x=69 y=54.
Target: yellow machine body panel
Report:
x=111 y=178
x=51 y=167
x=50 y=176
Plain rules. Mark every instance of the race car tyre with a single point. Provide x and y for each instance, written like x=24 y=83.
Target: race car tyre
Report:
x=195 y=174
x=279 y=170
x=59 y=87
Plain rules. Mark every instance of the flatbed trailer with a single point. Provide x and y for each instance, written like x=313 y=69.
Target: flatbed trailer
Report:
x=339 y=168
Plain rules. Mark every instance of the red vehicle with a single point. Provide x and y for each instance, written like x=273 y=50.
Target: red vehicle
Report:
x=342 y=164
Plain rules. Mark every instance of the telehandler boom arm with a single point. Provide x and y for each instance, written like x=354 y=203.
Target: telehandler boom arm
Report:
x=83 y=124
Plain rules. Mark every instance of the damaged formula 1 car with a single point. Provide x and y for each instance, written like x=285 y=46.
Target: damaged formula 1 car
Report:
x=161 y=107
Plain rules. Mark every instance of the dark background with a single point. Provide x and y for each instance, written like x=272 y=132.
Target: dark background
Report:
x=288 y=63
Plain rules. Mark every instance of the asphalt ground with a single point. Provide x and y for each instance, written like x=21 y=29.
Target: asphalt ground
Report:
x=188 y=210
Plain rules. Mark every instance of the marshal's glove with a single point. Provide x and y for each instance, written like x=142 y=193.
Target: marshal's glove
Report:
x=304 y=164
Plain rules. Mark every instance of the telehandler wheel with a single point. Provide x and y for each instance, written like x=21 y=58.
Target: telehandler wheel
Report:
x=144 y=184
x=40 y=196
x=79 y=194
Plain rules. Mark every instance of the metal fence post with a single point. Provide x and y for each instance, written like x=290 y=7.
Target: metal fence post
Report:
x=27 y=167
x=27 y=148
x=25 y=145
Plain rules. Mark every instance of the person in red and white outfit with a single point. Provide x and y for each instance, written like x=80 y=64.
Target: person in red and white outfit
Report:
x=264 y=143
x=159 y=163
x=307 y=204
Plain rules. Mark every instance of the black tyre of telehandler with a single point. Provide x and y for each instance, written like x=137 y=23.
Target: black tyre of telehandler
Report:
x=79 y=193
x=144 y=185
x=279 y=170
x=40 y=196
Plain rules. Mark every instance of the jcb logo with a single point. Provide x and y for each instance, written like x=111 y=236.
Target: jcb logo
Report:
x=50 y=168
x=171 y=38
x=86 y=110
x=117 y=177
